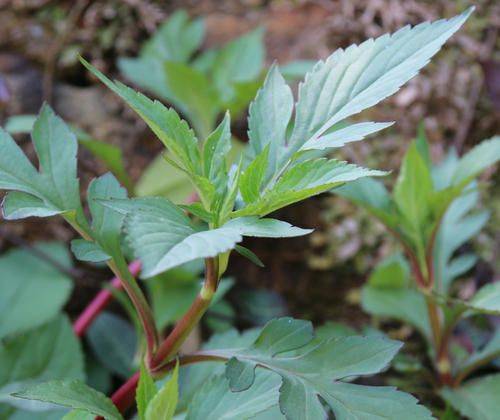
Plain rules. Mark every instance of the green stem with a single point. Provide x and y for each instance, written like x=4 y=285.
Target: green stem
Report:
x=183 y=328
x=140 y=303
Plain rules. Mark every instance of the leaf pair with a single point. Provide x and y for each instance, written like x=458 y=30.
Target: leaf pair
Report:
x=162 y=236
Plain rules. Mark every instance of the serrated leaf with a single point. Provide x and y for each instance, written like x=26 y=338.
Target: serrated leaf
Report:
x=88 y=251
x=306 y=179
x=24 y=279
x=56 y=183
x=487 y=299
x=457 y=227
x=146 y=390
x=162 y=237
x=253 y=176
x=359 y=77
x=114 y=343
x=215 y=150
x=268 y=118
x=477 y=160
x=173 y=132
x=215 y=401
x=58 y=355
x=162 y=405
x=74 y=394
x=342 y=136
x=476 y=399
x=314 y=368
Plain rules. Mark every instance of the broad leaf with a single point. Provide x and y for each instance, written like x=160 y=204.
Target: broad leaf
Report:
x=162 y=405
x=162 y=236
x=113 y=342
x=311 y=368
x=58 y=356
x=215 y=401
x=74 y=394
x=404 y=304
x=55 y=188
x=476 y=399
x=25 y=279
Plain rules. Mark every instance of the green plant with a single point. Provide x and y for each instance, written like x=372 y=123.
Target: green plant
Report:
x=282 y=370
x=429 y=214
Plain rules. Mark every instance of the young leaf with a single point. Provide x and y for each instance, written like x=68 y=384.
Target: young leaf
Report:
x=252 y=178
x=146 y=390
x=24 y=279
x=215 y=401
x=245 y=252
x=476 y=399
x=74 y=394
x=315 y=368
x=304 y=180
x=55 y=188
x=268 y=118
x=162 y=405
x=391 y=273
x=477 y=160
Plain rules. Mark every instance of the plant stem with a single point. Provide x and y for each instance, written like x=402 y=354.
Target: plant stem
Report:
x=100 y=301
x=124 y=396
x=120 y=269
x=183 y=328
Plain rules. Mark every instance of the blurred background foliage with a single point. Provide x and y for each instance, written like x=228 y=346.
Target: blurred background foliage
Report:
x=456 y=98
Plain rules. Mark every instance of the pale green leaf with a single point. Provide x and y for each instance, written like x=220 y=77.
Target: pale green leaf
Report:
x=477 y=160
x=268 y=118
x=74 y=394
x=358 y=77
x=162 y=405
x=476 y=399
x=25 y=279
x=487 y=299
x=342 y=136
x=392 y=273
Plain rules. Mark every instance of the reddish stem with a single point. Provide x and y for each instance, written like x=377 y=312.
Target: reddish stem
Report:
x=100 y=301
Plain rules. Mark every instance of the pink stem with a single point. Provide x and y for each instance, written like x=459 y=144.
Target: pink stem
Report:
x=100 y=301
